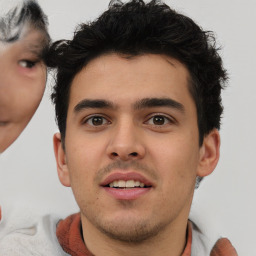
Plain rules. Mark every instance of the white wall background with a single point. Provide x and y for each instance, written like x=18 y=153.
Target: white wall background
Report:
x=226 y=199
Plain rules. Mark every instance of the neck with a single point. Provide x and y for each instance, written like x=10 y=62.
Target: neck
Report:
x=171 y=241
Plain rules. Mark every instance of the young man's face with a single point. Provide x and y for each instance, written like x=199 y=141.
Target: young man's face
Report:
x=132 y=146
x=22 y=83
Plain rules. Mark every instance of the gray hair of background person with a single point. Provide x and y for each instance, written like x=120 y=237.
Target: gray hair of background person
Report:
x=17 y=15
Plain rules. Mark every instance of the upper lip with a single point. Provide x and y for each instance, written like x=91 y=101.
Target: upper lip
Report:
x=125 y=176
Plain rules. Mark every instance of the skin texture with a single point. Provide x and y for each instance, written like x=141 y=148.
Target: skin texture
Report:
x=128 y=138
x=223 y=247
x=22 y=84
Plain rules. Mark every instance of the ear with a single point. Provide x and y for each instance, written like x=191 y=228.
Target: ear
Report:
x=209 y=153
x=61 y=160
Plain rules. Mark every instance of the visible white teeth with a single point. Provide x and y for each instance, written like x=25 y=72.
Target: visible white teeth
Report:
x=137 y=183
x=130 y=184
x=121 y=184
x=126 y=184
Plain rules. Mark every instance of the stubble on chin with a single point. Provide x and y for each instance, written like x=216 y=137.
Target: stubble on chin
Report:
x=128 y=229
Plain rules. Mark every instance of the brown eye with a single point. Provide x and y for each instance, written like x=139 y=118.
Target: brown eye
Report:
x=158 y=120
x=96 y=121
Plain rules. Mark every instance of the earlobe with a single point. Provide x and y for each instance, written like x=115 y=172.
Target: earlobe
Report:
x=60 y=157
x=209 y=153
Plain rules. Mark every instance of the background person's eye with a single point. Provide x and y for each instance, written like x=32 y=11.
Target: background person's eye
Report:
x=27 y=63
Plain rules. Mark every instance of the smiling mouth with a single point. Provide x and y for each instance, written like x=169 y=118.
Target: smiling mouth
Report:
x=129 y=184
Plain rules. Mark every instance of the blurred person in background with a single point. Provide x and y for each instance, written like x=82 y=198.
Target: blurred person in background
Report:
x=23 y=41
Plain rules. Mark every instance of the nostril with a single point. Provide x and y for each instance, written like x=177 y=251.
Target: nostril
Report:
x=133 y=154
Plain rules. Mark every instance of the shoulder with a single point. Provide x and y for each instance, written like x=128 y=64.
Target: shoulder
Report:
x=24 y=233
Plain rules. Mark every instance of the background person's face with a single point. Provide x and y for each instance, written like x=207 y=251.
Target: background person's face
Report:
x=22 y=83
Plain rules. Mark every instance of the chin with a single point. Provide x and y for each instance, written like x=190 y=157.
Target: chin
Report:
x=130 y=231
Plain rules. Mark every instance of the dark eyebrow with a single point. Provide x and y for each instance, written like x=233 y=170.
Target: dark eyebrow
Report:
x=158 y=102
x=85 y=104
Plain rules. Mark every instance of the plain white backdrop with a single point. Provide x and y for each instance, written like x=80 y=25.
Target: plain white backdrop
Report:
x=226 y=199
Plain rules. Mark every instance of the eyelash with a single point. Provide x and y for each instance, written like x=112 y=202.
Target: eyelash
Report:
x=27 y=63
x=105 y=121
x=167 y=120
x=90 y=118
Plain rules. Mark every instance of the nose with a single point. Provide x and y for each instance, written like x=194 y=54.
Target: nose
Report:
x=126 y=143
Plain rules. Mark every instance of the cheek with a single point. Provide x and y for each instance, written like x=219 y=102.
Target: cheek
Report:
x=83 y=157
x=83 y=148
x=176 y=159
x=83 y=163
x=34 y=80
x=20 y=94
x=31 y=89
x=86 y=154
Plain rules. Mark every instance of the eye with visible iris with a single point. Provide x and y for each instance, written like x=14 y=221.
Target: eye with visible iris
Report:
x=159 y=120
x=96 y=121
x=27 y=63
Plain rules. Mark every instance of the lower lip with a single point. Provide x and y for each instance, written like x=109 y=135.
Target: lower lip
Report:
x=126 y=194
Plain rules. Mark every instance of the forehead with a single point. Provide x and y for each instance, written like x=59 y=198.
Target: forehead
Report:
x=32 y=42
x=124 y=78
